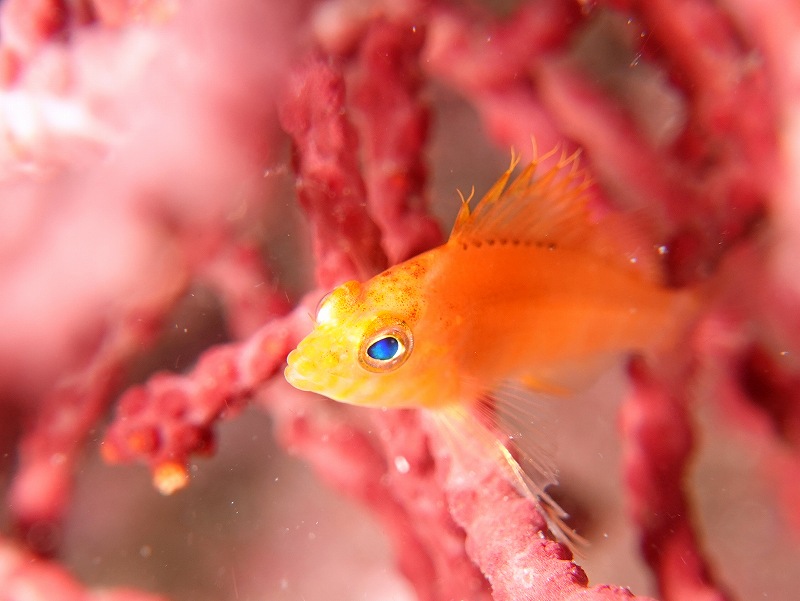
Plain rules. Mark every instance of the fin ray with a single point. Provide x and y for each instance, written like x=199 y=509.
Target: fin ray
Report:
x=496 y=429
x=550 y=209
x=529 y=208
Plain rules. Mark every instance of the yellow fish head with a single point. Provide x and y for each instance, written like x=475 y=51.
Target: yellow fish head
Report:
x=364 y=349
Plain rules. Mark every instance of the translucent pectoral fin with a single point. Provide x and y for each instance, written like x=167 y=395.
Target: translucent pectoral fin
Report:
x=562 y=379
x=507 y=427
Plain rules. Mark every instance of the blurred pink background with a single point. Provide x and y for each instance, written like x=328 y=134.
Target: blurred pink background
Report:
x=149 y=217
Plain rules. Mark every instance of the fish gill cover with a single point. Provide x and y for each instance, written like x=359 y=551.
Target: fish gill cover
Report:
x=153 y=278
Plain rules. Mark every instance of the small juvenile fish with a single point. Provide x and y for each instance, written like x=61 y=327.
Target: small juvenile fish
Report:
x=530 y=293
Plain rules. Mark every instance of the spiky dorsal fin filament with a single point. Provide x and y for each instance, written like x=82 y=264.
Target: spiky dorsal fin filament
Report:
x=529 y=208
x=464 y=212
x=464 y=217
x=550 y=209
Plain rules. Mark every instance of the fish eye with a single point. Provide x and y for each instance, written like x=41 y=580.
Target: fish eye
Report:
x=387 y=348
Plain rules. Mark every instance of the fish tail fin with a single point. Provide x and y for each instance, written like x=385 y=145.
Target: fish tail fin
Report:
x=472 y=439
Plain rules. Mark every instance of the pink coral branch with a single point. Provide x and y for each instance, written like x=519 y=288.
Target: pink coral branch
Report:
x=53 y=443
x=611 y=139
x=653 y=178
x=712 y=63
x=171 y=417
x=505 y=537
x=775 y=32
x=758 y=392
x=659 y=440
x=770 y=396
x=731 y=114
x=247 y=287
x=52 y=447
x=24 y=577
x=393 y=126
x=391 y=474
x=493 y=64
x=413 y=478
x=329 y=183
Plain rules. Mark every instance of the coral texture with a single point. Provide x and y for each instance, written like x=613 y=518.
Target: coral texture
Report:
x=152 y=276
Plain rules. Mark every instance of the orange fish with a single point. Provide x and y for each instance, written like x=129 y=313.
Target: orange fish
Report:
x=530 y=293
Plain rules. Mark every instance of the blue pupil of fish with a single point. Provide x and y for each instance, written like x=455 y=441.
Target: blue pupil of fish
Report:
x=386 y=345
x=384 y=349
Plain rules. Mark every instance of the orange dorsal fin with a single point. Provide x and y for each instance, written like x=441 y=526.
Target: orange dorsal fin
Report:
x=550 y=210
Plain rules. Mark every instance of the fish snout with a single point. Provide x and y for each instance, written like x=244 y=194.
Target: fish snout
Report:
x=315 y=368
x=294 y=370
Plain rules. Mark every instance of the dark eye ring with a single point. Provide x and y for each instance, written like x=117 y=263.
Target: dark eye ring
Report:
x=387 y=348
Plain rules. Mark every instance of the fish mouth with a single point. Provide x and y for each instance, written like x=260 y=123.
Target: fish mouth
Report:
x=294 y=372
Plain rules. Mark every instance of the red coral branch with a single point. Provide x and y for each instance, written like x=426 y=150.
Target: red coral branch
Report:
x=28 y=25
x=772 y=393
x=659 y=440
x=412 y=476
x=493 y=64
x=727 y=152
x=172 y=417
x=757 y=389
x=329 y=183
x=393 y=123
x=247 y=287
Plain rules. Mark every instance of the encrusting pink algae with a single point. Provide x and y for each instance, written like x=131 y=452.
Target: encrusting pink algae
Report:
x=153 y=280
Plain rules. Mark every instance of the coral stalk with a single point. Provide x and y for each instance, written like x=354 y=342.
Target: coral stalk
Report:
x=655 y=423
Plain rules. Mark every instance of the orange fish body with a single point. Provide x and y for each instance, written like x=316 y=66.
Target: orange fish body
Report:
x=530 y=292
